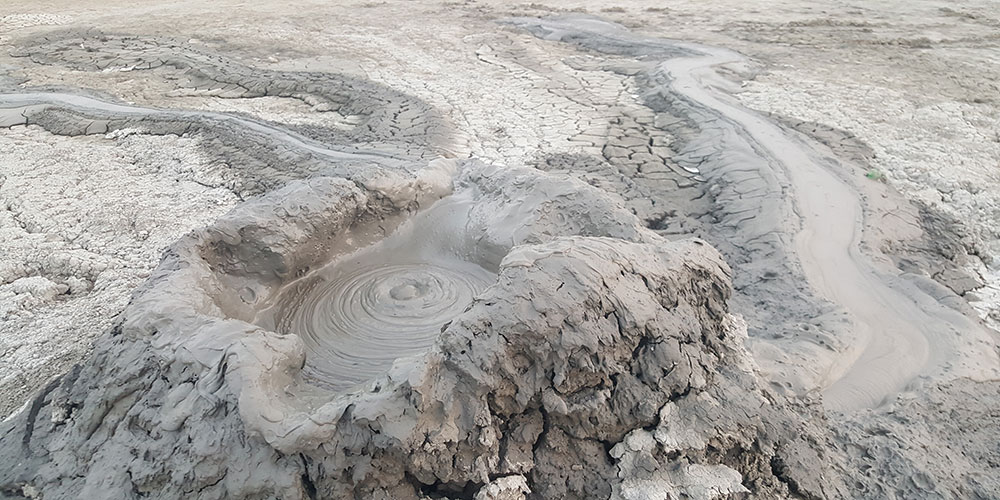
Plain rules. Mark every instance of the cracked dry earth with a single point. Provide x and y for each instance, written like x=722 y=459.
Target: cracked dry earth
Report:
x=495 y=251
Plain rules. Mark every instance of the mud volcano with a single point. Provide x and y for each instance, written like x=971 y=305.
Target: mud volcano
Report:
x=360 y=312
x=337 y=339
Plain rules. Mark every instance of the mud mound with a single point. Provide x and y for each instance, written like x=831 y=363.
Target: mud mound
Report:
x=595 y=363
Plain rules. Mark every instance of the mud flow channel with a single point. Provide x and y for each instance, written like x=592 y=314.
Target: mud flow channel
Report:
x=362 y=311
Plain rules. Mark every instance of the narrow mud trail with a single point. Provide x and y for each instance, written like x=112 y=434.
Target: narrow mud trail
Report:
x=786 y=206
x=13 y=107
x=899 y=336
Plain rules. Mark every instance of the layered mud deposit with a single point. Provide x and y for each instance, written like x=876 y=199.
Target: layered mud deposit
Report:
x=599 y=361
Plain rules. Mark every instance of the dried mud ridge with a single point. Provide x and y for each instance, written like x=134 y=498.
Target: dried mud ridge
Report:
x=285 y=155
x=593 y=358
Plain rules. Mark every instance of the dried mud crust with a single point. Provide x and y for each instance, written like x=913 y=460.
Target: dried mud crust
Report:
x=248 y=161
x=602 y=362
x=958 y=416
x=83 y=222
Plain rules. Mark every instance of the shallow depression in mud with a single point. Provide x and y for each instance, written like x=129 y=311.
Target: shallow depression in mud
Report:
x=363 y=311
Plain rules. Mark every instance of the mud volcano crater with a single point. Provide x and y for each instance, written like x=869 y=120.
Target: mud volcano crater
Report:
x=361 y=311
x=361 y=277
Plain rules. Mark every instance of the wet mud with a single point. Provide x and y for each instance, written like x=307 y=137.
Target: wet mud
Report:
x=359 y=313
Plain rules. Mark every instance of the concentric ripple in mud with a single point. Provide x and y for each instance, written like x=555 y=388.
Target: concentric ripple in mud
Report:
x=389 y=300
x=356 y=321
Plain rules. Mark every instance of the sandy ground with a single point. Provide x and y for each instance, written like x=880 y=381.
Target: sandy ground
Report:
x=904 y=93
